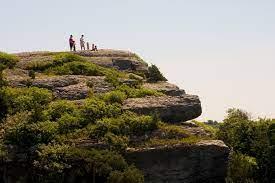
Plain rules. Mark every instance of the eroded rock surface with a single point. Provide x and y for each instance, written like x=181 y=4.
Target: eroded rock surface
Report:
x=165 y=87
x=204 y=162
x=122 y=60
x=170 y=109
x=71 y=87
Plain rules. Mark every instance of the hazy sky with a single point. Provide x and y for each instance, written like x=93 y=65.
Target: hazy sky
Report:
x=221 y=50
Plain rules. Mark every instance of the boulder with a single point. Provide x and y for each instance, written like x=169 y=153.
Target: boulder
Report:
x=72 y=92
x=205 y=161
x=170 y=109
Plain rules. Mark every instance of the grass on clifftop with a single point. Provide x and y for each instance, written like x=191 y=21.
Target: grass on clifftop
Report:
x=69 y=63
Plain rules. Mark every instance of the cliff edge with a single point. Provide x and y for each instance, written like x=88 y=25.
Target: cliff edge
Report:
x=102 y=100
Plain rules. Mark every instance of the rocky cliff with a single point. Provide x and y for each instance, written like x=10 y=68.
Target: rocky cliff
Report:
x=178 y=151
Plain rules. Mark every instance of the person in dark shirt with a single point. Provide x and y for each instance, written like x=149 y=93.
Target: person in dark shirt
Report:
x=72 y=43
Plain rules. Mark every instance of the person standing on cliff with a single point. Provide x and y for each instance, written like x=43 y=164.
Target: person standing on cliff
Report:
x=82 y=43
x=72 y=43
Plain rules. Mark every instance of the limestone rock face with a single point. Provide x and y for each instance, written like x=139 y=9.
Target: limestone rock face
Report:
x=71 y=87
x=122 y=60
x=204 y=162
x=170 y=109
x=165 y=87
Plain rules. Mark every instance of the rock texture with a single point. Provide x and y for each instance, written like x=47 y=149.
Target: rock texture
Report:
x=71 y=87
x=165 y=87
x=204 y=162
x=170 y=109
x=122 y=60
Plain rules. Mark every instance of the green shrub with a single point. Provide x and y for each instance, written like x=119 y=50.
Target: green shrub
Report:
x=125 y=125
x=60 y=107
x=63 y=58
x=174 y=131
x=59 y=159
x=26 y=135
x=137 y=93
x=3 y=152
x=115 y=142
x=77 y=68
x=154 y=75
x=25 y=99
x=114 y=97
x=68 y=123
x=94 y=109
x=32 y=74
x=113 y=79
x=3 y=103
x=57 y=60
x=3 y=82
x=84 y=68
x=7 y=61
x=241 y=167
x=131 y=174
x=249 y=137
x=208 y=128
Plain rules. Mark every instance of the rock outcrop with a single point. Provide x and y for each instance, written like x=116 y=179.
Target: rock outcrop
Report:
x=166 y=88
x=205 y=162
x=170 y=109
x=122 y=60
x=71 y=87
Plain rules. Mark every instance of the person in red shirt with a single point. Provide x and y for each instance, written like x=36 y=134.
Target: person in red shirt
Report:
x=72 y=43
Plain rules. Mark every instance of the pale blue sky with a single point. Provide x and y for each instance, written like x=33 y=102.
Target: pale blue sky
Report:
x=221 y=50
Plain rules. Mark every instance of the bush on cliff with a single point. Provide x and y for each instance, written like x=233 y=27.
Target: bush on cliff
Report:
x=57 y=109
x=62 y=162
x=95 y=109
x=26 y=135
x=137 y=92
x=7 y=61
x=33 y=99
x=57 y=60
x=126 y=124
x=154 y=75
x=131 y=174
x=114 y=97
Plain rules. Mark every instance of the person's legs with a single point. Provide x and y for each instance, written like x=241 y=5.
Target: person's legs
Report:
x=82 y=46
x=74 y=48
x=71 y=47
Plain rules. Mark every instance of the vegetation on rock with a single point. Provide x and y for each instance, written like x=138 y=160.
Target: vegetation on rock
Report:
x=60 y=140
x=252 y=142
x=154 y=75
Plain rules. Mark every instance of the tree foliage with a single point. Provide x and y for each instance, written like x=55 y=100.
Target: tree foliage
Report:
x=249 y=139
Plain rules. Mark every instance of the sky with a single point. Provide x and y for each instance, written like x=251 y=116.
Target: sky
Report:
x=223 y=51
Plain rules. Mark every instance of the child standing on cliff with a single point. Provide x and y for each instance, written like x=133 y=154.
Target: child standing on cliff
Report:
x=82 y=43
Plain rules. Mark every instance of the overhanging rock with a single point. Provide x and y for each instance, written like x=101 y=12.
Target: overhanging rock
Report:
x=170 y=109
